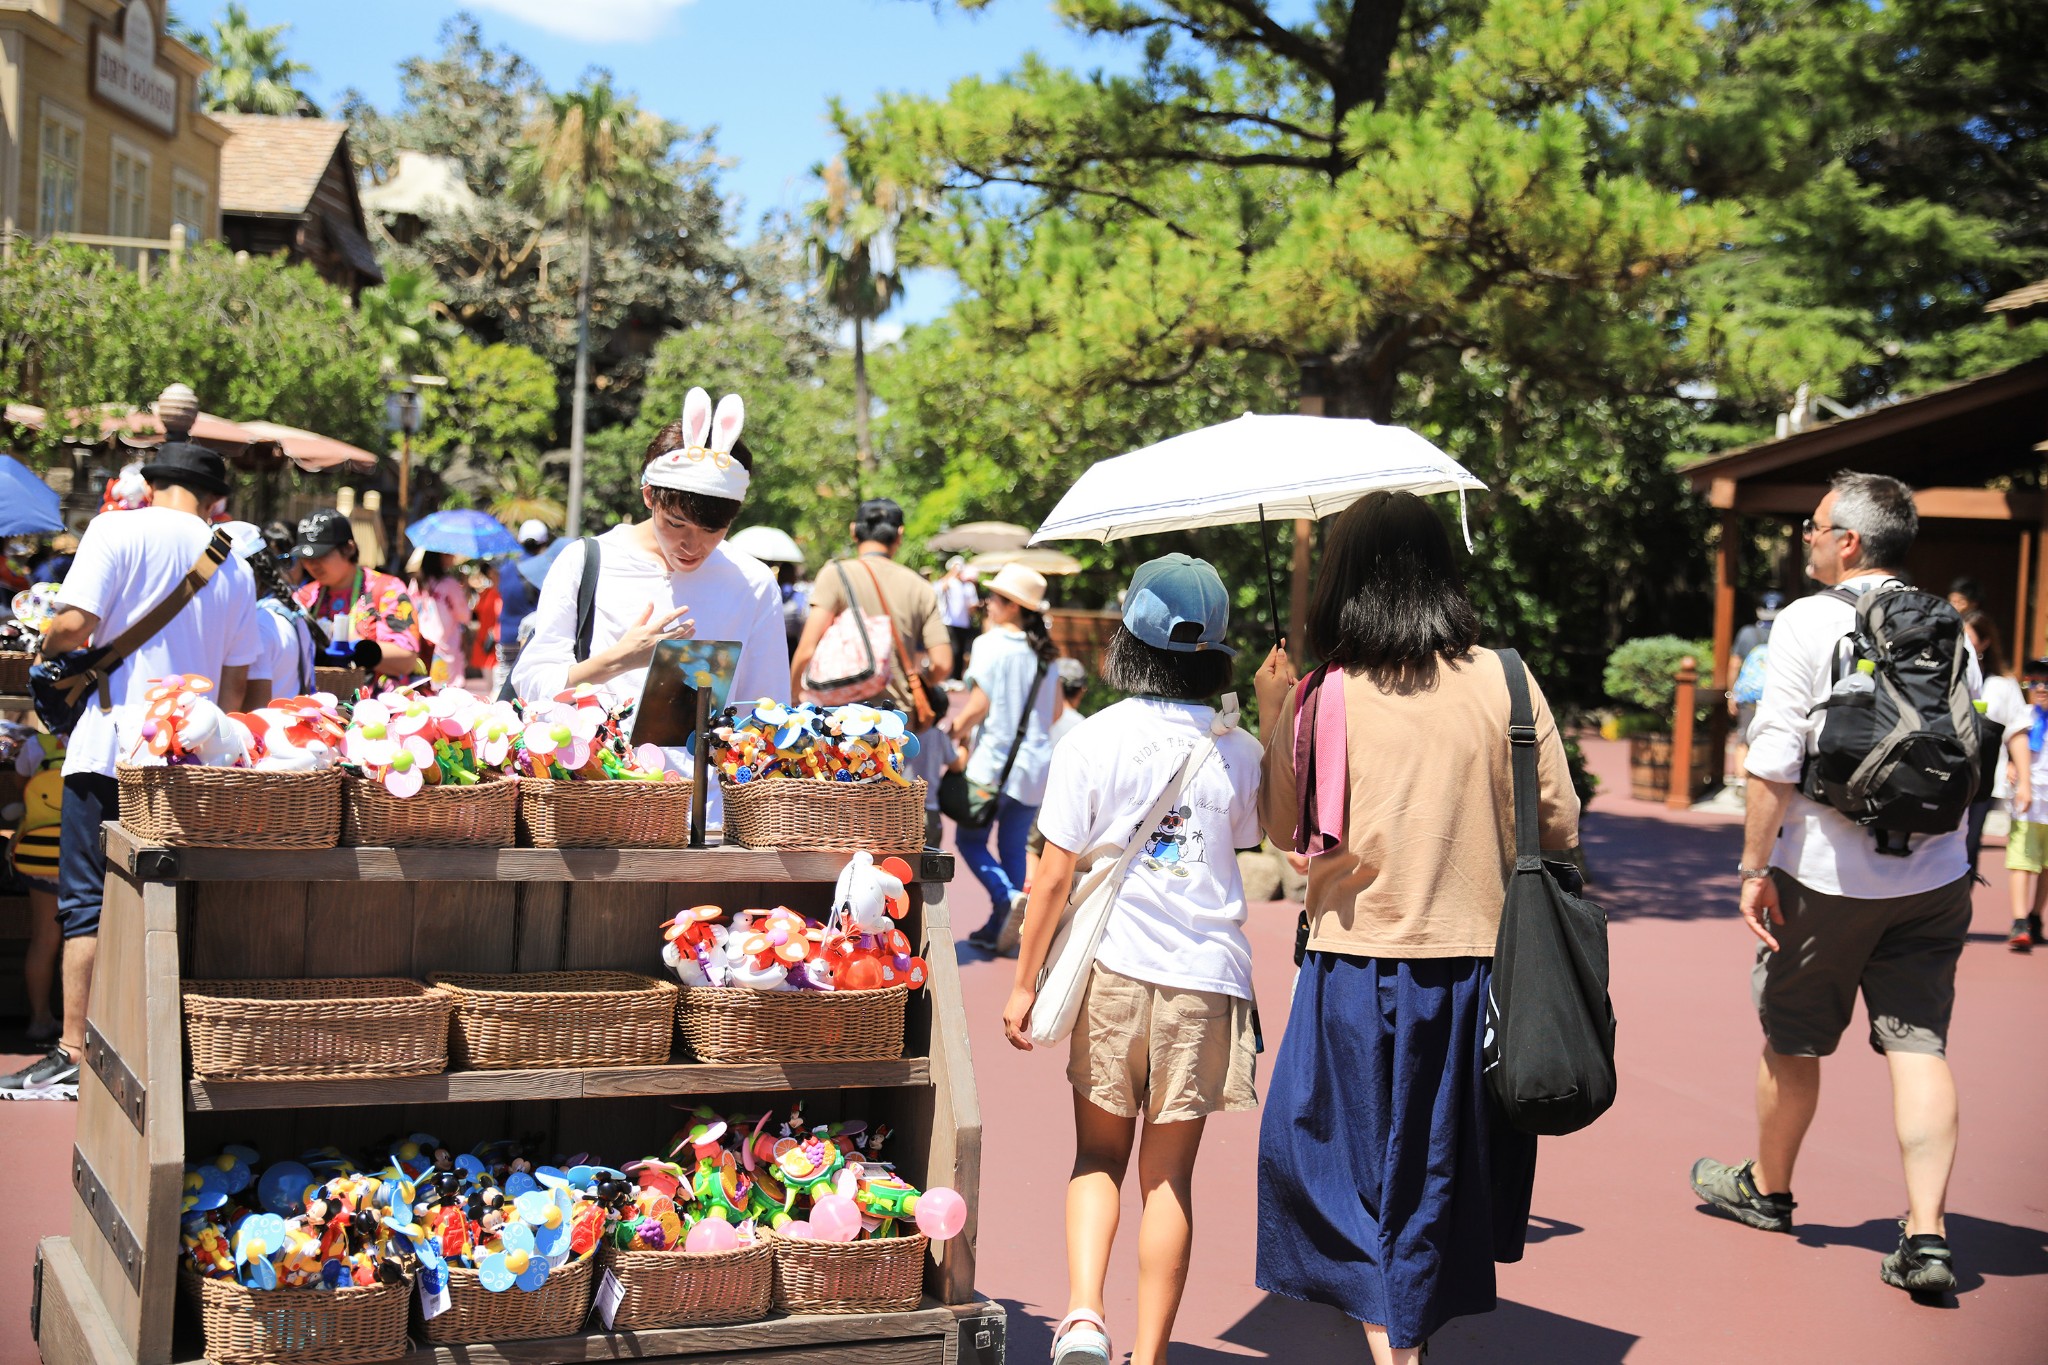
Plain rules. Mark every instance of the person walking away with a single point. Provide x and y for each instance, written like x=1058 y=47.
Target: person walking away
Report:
x=670 y=577
x=1389 y=1183
x=796 y=602
x=1966 y=595
x=1165 y=1028
x=1747 y=658
x=880 y=586
x=350 y=601
x=2026 y=846
x=286 y=668
x=1005 y=717
x=442 y=600
x=2005 y=705
x=1073 y=680
x=128 y=563
x=1835 y=915
x=516 y=599
x=958 y=598
x=937 y=755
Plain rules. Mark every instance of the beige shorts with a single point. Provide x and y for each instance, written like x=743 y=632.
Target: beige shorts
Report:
x=1174 y=1054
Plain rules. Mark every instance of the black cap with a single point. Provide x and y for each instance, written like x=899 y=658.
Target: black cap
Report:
x=322 y=531
x=188 y=463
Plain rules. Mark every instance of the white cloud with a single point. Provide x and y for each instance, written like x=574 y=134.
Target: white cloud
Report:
x=592 y=21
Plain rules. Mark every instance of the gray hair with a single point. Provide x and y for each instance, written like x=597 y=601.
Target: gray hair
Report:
x=1880 y=509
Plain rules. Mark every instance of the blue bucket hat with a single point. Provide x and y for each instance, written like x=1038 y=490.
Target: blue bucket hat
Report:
x=1177 y=603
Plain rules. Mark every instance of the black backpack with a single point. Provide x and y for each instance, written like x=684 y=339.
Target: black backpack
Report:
x=1549 y=1048
x=1902 y=753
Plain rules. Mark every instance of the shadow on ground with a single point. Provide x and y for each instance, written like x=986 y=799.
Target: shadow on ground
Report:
x=1639 y=871
x=1983 y=1246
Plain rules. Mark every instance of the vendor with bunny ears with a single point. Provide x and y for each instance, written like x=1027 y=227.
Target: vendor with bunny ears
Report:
x=670 y=577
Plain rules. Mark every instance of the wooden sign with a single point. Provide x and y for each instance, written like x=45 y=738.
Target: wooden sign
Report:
x=125 y=72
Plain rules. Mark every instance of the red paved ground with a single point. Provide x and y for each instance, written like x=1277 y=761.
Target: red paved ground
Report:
x=1622 y=1266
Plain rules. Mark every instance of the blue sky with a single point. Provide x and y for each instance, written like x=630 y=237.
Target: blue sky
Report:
x=759 y=70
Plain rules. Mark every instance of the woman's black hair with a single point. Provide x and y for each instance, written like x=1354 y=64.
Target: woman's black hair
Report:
x=1990 y=647
x=1389 y=598
x=1131 y=665
x=434 y=564
x=269 y=574
x=699 y=509
x=1036 y=634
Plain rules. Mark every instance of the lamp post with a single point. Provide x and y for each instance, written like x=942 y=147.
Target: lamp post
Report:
x=402 y=415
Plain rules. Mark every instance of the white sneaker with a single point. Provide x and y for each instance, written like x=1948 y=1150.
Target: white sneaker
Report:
x=1012 y=935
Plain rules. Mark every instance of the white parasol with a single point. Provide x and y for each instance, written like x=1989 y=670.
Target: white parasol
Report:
x=1051 y=563
x=766 y=544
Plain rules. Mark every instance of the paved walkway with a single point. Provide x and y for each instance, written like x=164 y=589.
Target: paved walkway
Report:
x=1622 y=1266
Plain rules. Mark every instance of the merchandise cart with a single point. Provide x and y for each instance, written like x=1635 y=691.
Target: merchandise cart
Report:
x=106 y=1294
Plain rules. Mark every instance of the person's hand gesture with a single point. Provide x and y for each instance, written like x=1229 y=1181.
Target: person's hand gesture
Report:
x=1275 y=679
x=636 y=647
x=1760 y=901
x=1017 y=1017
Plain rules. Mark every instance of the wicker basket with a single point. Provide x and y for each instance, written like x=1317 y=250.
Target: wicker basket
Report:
x=302 y=1326
x=691 y=1289
x=732 y=1024
x=623 y=814
x=358 y=1026
x=342 y=682
x=849 y=1277
x=190 y=806
x=539 y=1019
x=792 y=813
x=474 y=1313
x=481 y=816
x=14 y=667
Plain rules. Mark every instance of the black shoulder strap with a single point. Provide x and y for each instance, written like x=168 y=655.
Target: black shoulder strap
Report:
x=586 y=599
x=1023 y=724
x=1522 y=744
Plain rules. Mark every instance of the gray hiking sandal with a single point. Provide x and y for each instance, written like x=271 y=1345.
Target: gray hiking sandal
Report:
x=1732 y=1191
x=1923 y=1264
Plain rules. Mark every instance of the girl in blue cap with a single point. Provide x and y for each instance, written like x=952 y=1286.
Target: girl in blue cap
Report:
x=1165 y=1028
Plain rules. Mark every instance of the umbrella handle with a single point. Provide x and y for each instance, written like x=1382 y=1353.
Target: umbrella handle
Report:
x=1272 y=599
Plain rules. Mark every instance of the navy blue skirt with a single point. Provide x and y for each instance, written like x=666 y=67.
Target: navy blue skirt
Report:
x=1388 y=1182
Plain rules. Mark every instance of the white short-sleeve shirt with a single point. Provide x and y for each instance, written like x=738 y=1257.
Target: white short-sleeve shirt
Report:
x=1003 y=665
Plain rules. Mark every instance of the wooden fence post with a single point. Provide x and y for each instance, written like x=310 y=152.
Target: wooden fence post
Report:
x=1680 y=795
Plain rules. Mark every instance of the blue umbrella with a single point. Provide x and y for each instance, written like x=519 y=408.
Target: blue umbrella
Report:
x=464 y=533
x=28 y=506
x=534 y=569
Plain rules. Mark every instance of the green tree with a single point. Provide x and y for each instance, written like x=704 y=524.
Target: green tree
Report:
x=250 y=73
x=406 y=320
x=484 y=433
x=590 y=160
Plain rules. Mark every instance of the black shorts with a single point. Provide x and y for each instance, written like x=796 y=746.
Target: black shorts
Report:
x=90 y=800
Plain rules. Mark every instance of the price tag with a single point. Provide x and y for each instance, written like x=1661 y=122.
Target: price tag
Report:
x=435 y=1302
x=609 y=1292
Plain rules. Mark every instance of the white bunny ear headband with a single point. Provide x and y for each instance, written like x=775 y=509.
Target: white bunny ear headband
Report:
x=701 y=465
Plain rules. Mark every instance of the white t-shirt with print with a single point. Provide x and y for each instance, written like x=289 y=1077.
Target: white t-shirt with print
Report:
x=1003 y=666
x=1180 y=912
x=127 y=563
x=2007 y=705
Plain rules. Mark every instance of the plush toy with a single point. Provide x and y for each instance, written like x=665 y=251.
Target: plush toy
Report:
x=179 y=723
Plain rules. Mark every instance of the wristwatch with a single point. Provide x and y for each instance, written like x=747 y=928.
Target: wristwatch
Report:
x=1752 y=874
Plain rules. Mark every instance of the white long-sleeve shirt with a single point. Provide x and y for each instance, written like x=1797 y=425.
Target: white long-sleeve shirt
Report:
x=1818 y=845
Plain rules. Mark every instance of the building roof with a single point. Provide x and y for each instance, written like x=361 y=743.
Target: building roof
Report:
x=423 y=185
x=273 y=164
x=2027 y=297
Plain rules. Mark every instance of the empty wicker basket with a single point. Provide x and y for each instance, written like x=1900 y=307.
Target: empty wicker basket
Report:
x=541 y=1019
x=190 y=806
x=849 y=1277
x=299 y=1326
x=691 y=1289
x=793 y=813
x=474 y=1313
x=622 y=814
x=732 y=1024
x=481 y=816
x=355 y=1026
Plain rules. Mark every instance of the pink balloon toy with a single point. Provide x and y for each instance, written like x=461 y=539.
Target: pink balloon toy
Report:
x=712 y=1234
x=835 y=1218
x=796 y=1227
x=941 y=1213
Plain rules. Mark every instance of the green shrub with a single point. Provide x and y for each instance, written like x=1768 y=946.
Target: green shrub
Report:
x=1642 y=674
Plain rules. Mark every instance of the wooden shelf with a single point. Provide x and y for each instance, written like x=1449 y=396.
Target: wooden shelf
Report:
x=147 y=862
x=558 y=1083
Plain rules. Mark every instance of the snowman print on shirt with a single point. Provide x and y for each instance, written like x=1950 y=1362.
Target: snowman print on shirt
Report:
x=1175 y=845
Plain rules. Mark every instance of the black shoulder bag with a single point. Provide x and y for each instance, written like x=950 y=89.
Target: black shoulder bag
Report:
x=1549 y=1049
x=972 y=805
x=586 y=610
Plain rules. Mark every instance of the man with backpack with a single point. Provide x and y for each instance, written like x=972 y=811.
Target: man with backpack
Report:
x=871 y=652
x=1863 y=759
x=1748 y=658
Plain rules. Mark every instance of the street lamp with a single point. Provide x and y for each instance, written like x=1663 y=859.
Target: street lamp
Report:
x=402 y=415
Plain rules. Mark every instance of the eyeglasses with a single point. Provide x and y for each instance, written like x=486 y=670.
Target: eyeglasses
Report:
x=1809 y=528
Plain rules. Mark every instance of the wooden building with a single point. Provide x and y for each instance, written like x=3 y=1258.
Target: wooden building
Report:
x=100 y=129
x=1975 y=454
x=289 y=185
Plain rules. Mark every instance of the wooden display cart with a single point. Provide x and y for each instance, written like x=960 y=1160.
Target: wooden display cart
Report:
x=105 y=1294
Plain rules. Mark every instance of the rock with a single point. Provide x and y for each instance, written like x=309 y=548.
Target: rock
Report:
x=1261 y=872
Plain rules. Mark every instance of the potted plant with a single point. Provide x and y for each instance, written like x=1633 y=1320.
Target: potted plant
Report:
x=1642 y=675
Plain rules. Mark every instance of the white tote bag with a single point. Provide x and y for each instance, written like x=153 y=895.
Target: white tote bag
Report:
x=1063 y=981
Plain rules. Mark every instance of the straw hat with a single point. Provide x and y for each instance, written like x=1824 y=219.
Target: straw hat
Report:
x=1025 y=587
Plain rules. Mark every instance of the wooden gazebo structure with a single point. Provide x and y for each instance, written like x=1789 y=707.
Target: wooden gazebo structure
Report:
x=1975 y=454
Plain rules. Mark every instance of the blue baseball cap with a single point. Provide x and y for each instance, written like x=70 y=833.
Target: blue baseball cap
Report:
x=1176 y=602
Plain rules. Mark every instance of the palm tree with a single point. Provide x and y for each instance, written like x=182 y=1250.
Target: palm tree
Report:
x=404 y=319
x=589 y=159
x=852 y=252
x=251 y=74
x=526 y=490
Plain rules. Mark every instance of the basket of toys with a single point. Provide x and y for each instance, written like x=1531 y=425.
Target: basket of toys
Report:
x=853 y=974
x=431 y=772
x=582 y=784
x=477 y=1312
x=811 y=777
x=543 y=1019
x=310 y=1028
x=684 y=1262
x=885 y=1276
x=193 y=776
x=307 y=1326
x=14 y=669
